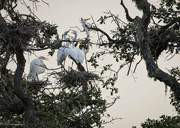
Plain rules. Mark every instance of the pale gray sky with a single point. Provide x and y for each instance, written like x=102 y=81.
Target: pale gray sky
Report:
x=141 y=97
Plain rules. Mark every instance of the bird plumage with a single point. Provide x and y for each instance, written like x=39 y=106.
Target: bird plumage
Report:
x=37 y=67
x=83 y=21
x=80 y=54
x=61 y=54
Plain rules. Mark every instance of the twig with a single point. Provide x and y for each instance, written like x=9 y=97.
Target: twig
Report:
x=171 y=56
x=130 y=65
x=30 y=10
x=45 y=3
x=137 y=64
x=110 y=121
x=116 y=98
x=96 y=27
x=103 y=32
x=114 y=19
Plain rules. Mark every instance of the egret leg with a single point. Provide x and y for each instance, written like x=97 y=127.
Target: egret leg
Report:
x=86 y=63
x=36 y=78
x=33 y=79
x=64 y=63
x=72 y=64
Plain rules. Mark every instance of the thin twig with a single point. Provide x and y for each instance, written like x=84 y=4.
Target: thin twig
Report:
x=137 y=64
x=116 y=98
x=130 y=65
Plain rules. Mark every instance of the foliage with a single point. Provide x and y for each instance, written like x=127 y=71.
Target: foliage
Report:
x=164 y=122
x=175 y=102
x=158 y=31
x=72 y=104
x=175 y=72
x=75 y=100
x=166 y=12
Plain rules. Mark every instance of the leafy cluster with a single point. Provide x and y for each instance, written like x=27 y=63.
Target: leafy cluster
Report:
x=164 y=122
x=168 y=11
x=127 y=42
x=175 y=72
x=74 y=101
x=77 y=102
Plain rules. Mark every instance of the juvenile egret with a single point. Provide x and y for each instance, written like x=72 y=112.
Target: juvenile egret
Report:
x=80 y=54
x=37 y=67
x=61 y=54
x=83 y=21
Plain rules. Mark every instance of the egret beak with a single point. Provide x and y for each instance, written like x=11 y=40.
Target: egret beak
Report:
x=45 y=67
x=87 y=19
x=45 y=58
x=68 y=30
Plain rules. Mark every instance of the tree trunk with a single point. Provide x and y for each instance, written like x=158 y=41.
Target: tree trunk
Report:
x=153 y=70
x=29 y=111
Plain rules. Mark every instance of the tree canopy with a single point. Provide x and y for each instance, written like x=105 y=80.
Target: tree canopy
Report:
x=75 y=100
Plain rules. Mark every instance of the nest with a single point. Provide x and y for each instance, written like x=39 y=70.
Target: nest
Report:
x=36 y=86
x=74 y=78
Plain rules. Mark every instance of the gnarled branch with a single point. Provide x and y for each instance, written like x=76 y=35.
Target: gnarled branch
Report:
x=127 y=12
x=153 y=70
x=29 y=111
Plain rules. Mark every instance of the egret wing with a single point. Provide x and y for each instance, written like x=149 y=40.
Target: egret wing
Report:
x=61 y=55
x=73 y=53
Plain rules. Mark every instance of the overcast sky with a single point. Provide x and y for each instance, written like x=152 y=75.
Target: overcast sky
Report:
x=141 y=97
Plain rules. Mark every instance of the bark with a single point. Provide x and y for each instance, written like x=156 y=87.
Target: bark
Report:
x=28 y=106
x=4 y=60
x=4 y=38
x=153 y=70
x=12 y=41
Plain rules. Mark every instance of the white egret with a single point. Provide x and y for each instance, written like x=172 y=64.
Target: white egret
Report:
x=83 y=21
x=79 y=53
x=61 y=54
x=37 y=67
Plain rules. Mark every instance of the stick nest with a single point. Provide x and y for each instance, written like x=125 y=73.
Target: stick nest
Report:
x=74 y=78
x=36 y=86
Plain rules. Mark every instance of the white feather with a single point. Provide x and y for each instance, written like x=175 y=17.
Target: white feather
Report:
x=37 y=67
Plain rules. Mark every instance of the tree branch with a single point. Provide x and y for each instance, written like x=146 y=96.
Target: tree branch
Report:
x=100 y=30
x=111 y=41
x=169 y=24
x=152 y=68
x=127 y=12
x=121 y=41
x=30 y=116
x=4 y=61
